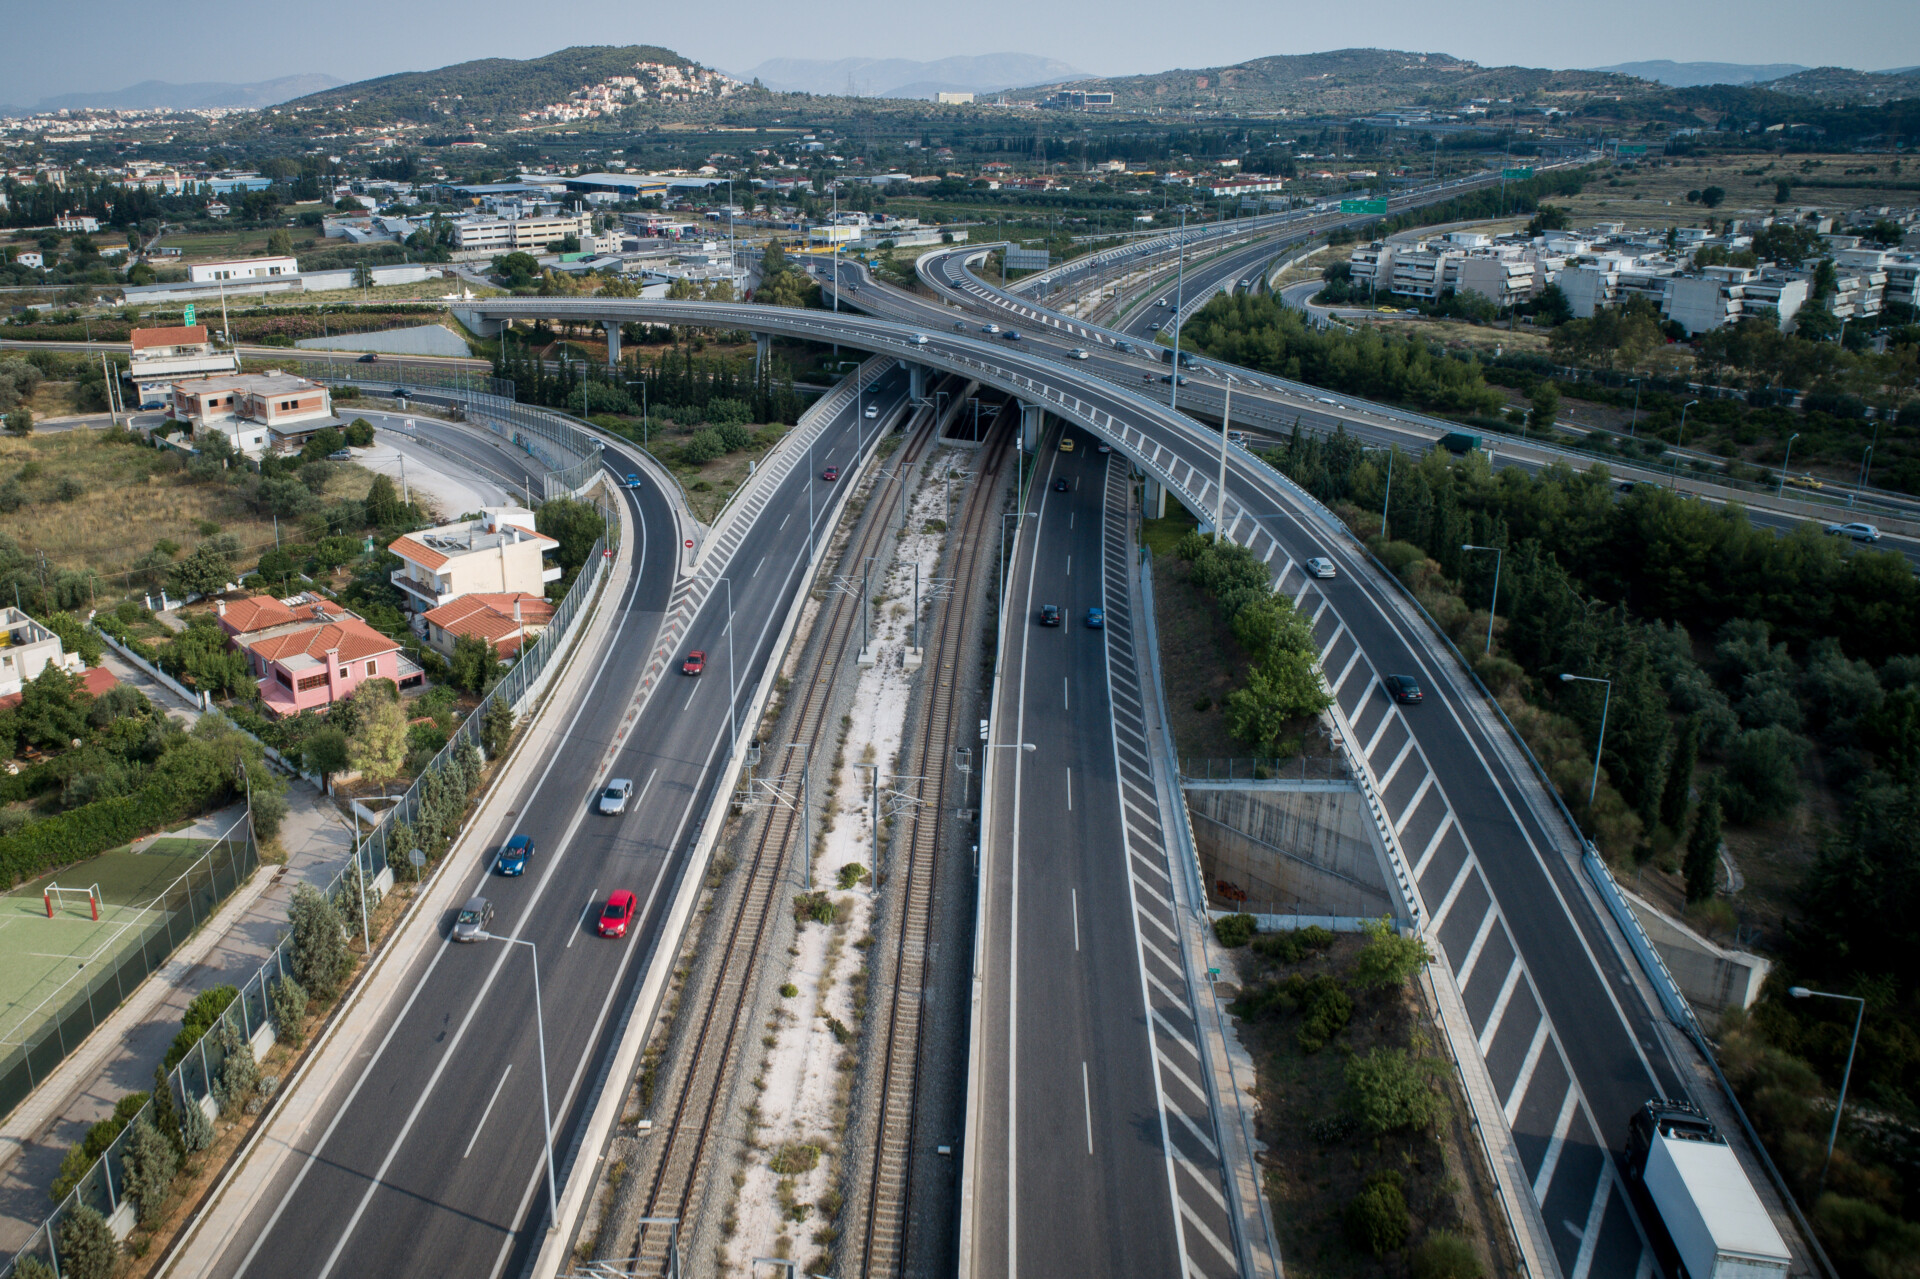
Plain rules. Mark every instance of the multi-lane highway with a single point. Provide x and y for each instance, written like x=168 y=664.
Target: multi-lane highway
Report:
x=427 y=1157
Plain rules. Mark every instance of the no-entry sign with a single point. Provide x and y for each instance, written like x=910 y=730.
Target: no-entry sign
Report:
x=689 y=544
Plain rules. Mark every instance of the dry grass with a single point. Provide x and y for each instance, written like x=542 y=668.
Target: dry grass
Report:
x=132 y=497
x=1655 y=194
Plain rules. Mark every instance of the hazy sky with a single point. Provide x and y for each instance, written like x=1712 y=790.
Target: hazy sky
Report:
x=122 y=42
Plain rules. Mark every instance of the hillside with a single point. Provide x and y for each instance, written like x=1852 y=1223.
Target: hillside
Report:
x=1358 y=80
x=1685 y=75
x=1845 y=85
x=905 y=78
x=501 y=90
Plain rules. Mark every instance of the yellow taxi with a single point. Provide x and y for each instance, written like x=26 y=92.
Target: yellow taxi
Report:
x=1066 y=444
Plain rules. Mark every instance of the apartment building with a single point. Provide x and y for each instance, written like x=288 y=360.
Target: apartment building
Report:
x=509 y=235
x=256 y=411
x=26 y=649
x=162 y=356
x=499 y=553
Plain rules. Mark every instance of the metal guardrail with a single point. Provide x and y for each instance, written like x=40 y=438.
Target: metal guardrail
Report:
x=1300 y=768
x=250 y=1015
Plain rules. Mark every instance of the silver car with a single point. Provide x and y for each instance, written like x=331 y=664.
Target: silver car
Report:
x=1321 y=567
x=471 y=923
x=1858 y=532
x=614 y=798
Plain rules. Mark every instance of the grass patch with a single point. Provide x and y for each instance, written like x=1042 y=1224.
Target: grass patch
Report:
x=1200 y=660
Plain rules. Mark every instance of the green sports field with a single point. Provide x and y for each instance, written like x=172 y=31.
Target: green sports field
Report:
x=47 y=964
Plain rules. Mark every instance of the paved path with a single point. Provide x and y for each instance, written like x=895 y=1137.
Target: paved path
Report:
x=120 y=1055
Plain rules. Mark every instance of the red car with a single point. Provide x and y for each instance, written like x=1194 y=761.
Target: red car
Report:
x=831 y=474
x=695 y=663
x=617 y=914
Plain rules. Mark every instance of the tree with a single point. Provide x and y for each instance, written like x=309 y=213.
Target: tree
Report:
x=1703 y=849
x=196 y=1130
x=320 y=958
x=204 y=572
x=1387 y=1090
x=360 y=433
x=377 y=746
x=1712 y=196
x=20 y=420
x=1376 y=1218
x=326 y=752
x=1546 y=405
x=474 y=665
x=287 y=1001
x=1552 y=307
x=166 y=1115
x=575 y=525
x=383 y=505
x=88 y=1249
x=150 y=1162
x=1676 y=795
x=280 y=243
x=496 y=727
x=1388 y=960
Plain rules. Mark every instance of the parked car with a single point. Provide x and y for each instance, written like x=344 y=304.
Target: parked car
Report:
x=614 y=798
x=695 y=663
x=514 y=857
x=340 y=455
x=831 y=474
x=1857 y=531
x=1049 y=615
x=471 y=923
x=1060 y=485
x=1096 y=619
x=617 y=913
x=1404 y=689
x=1319 y=566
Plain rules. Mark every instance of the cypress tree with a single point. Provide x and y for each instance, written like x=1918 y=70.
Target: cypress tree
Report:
x=1676 y=795
x=1703 y=849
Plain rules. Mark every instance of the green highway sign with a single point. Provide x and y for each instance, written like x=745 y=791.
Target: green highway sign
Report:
x=1363 y=206
x=1623 y=149
x=189 y=315
x=1516 y=174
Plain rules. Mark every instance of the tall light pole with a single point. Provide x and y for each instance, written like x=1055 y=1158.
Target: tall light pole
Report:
x=1593 y=786
x=1801 y=992
x=1493 y=604
x=1781 y=487
x=733 y=685
x=1634 y=425
x=1387 y=501
x=1683 y=421
x=1179 y=299
x=546 y=1107
x=1226 y=420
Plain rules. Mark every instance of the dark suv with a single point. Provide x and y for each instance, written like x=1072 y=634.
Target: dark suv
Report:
x=1049 y=615
x=1404 y=689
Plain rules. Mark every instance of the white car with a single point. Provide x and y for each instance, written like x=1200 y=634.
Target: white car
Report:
x=1080 y=353
x=1858 y=532
x=873 y=410
x=1321 y=567
x=614 y=798
x=919 y=339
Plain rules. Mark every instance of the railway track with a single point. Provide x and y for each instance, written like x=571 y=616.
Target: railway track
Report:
x=881 y=1235
x=676 y=1160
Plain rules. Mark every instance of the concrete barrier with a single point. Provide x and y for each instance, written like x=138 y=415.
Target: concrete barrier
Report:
x=1710 y=976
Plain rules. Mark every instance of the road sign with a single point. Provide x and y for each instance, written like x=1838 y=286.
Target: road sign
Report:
x=1516 y=175
x=1028 y=259
x=1363 y=206
x=1622 y=149
x=689 y=544
x=417 y=857
x=983 y=730
x=189 y=315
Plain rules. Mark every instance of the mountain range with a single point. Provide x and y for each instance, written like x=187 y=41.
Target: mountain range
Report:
x=1685 y=75
x=150 y=94
x=906 y=78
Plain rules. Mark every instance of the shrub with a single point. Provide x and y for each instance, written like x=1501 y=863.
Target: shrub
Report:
x=29 y=1267
x=82 y=1155
x=1388 y=960
x=1388 y=1090
x=1445 y=1256
x=1234 y=931
x=1325 y=1010
x=852 y=874
x=319 y=942
x=239 y=1072
x=166 y=1115
x=794 y=1158
x=150 y=1161
x=1293 y=946
x=287 y=1002
x=198 y=1020
x=196 y=1130
x=815 y=907
x=1376 y=1218
x=88 y=1249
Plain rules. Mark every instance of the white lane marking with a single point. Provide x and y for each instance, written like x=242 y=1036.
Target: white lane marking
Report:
x=1555 y=1144
x=1406 y=814
x=488 y=1111
x=783 y=523
x=1500 y=1003
x=1583 y=1263
x=1380 y=731
x=1074 y=909
x=695 y=693
x=1066 y=698
x=1086 y=1095
x=1439 y=833
x=1069 y=572
x=1446 y=904
x=1346 y=671
x=1465 y=974
x=1525 y=1077
x=757 y=567
x=586 y=913
x=1393 y=769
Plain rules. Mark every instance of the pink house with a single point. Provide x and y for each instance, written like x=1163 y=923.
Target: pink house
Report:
x=310 y=667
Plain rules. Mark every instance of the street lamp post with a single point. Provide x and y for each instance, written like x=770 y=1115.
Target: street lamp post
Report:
x=1179 y=300
x=1226 y=420
x=1683 y=421
x=1493 y=604
x=1387 y=502
x=1801 y=992
x=1781 y=487
x=644 y=433
x=1593 y=786
x=1634 y=425
x=733 y=686
x=546 y=1106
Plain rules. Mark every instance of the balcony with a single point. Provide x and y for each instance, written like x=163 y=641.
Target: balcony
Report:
x=419 y=594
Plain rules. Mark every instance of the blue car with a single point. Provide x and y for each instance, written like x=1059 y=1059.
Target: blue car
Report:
x=633 y=481
x=1096 y=620
x=513 y=858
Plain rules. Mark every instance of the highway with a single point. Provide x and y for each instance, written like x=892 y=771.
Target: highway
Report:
x=426 y=1158
x=1566 y=1029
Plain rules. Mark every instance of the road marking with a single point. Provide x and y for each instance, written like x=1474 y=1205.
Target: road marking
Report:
x=1069 y=790
x=1555 y=1144
x=1426 y=783
x=1446 y=903
x=1086 y=1095
x=783 y=523
x=1439 y=833
x=1073 y=909
x=1069 y=572
x=1500 y=1002
x=1525 y=1077
x=757 y=567
x=1393 y=769
x=488 y=1111
x=1583 y=1263
x=1065 y=698
x=1465 y=974
x=695 y=693
x=585 y=913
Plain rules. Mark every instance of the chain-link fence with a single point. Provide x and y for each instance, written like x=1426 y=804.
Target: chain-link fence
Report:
x=167 y=920
x=194 y=1081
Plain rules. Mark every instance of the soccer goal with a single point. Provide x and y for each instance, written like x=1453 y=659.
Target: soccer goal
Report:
x=58 y=897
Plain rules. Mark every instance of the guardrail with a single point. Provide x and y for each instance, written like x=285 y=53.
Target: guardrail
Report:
x=251 y=1015
x=1301 y=768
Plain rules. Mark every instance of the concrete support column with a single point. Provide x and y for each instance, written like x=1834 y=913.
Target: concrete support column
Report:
x=762 y=348
x=916 y=383
x=1154 y=506
x=1032 y=419
x=613 y=343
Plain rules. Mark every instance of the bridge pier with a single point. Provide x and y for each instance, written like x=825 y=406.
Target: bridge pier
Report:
x=485 y=326
x=1154 y=505
x=762 y=349
x=613 y=342
x=917 y=383
x=1032 y=420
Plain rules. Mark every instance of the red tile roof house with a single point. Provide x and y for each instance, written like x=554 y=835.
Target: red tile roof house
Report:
x=310 y=655
x=506 y=620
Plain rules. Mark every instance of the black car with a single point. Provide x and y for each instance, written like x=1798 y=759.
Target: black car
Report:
x=1049 y=615
x=1173 y=379
x=1011 y=335
x=368 y=358
x=1404 y=689
x=1060 y=485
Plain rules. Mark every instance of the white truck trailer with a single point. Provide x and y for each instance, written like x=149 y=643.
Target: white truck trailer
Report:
x=1718 y=1225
